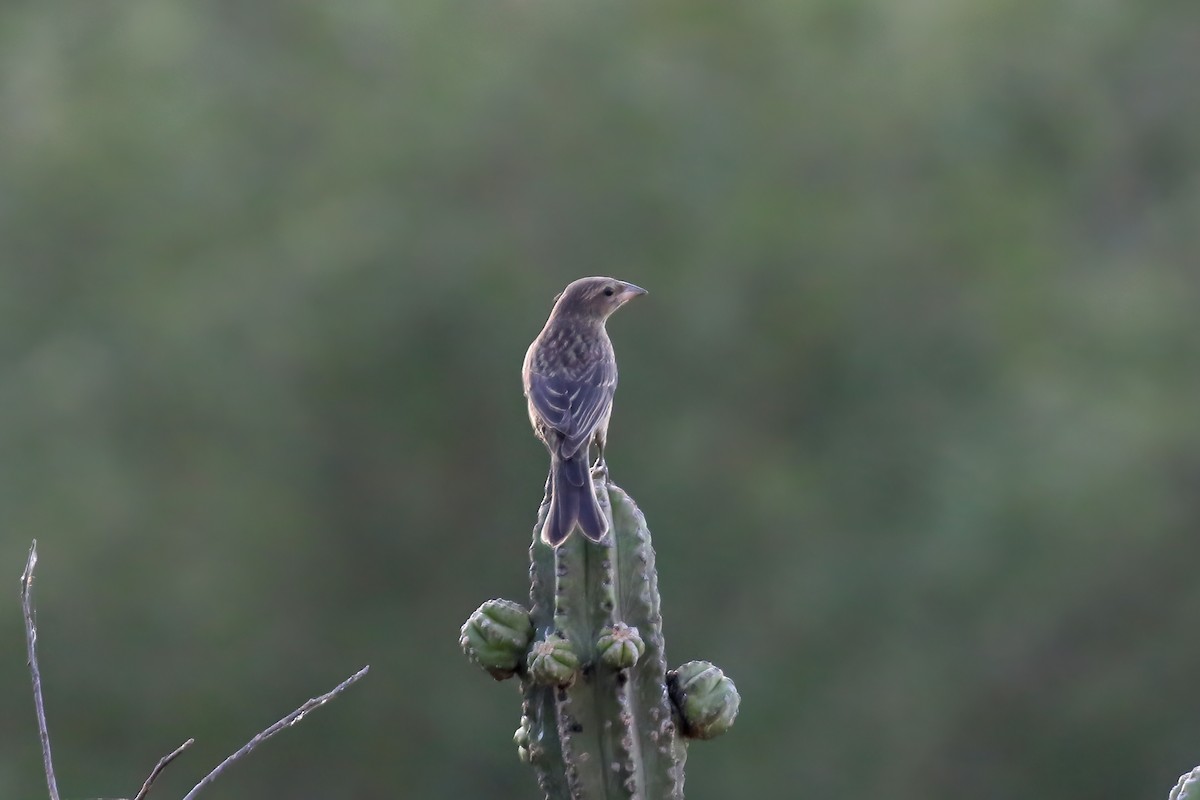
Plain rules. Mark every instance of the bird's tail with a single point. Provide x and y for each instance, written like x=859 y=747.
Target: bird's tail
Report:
x=572 y=502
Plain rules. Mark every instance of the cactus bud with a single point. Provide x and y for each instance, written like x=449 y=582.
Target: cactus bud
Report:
x=1188 y=787
x=553 y=662
x=521 y=738
x=707 y=700
x=620 y=646
x=497 y=636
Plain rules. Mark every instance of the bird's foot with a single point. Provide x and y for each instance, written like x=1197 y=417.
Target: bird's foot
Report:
x=600 y=470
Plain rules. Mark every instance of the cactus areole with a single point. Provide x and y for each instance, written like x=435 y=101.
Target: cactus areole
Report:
x=602 y=718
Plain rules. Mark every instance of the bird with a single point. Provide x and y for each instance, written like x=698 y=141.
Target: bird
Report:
x=569 y=376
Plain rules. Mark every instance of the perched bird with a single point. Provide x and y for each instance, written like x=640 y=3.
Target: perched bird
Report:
x=570 y=375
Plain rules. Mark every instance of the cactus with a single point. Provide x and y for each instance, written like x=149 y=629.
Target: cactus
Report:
x=1188 y=787
x=602 y=717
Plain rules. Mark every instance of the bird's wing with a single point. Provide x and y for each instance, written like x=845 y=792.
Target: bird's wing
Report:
x=574 y=407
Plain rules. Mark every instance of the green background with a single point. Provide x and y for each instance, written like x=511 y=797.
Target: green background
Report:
x=911 y=406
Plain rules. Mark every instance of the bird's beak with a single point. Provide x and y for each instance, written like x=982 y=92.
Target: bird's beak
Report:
x=629 y=292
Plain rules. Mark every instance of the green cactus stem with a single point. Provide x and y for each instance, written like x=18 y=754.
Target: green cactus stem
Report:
x=602 y=717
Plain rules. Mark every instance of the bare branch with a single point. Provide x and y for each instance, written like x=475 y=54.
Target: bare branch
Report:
x=160 y=766
x=52 y=784
x=31 y=647
x=287 y=722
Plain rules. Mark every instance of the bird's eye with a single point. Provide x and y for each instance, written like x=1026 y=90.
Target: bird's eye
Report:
x=609 y=291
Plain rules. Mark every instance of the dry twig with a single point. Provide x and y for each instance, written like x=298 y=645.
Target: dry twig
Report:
x=159 y=767
x=31 y=647
x=287 y=722
x=31 y=643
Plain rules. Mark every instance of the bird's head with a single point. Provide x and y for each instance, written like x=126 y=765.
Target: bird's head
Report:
x=595 y=298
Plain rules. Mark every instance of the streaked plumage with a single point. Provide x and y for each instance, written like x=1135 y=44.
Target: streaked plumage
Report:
x=570 y=376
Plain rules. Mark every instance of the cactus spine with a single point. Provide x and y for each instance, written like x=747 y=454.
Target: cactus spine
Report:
x=602 y=718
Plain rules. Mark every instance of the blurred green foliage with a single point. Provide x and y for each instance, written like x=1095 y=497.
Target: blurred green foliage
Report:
x=911 y=407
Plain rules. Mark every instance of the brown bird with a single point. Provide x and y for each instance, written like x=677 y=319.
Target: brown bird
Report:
x=570 y=375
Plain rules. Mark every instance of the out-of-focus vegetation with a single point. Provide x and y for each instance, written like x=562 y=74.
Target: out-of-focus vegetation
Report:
x=912 y=407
